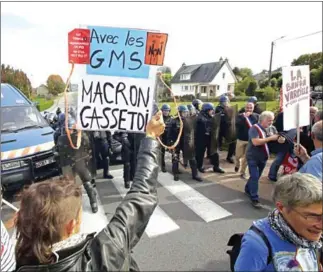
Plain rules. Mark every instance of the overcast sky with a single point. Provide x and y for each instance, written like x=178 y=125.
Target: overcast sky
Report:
x=34 y=35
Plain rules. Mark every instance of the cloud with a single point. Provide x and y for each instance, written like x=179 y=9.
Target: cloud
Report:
x=12 y=21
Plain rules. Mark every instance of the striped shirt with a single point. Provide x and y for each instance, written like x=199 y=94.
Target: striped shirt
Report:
x=8 y=261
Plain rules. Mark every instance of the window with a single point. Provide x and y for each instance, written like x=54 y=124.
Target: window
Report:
x=218 y=87
x=223 y=75
x=185 y=77
x=186 y=88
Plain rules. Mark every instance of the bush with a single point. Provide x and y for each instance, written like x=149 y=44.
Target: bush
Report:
x=260 y=94
x=270 y=94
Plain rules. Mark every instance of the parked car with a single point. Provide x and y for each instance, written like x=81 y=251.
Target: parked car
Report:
x=27 y=143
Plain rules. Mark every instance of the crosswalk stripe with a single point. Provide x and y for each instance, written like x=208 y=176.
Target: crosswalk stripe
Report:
x=159 y=223
x=92 y=222
x=198 y=203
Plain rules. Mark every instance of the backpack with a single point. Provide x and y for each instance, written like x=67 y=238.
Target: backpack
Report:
x=235 y=241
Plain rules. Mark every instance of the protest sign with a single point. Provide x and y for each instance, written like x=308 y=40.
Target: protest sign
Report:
x=155 y=48
x=296 y=96
x=79 y=46
x=116 y=89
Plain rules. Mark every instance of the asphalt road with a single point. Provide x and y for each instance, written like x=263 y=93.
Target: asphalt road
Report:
x=190 y=227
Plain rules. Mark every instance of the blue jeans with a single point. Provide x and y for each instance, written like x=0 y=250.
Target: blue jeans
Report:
x=255 y=170
x=276 y=164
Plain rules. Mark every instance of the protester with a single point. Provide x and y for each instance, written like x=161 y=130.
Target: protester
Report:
x=293 y=229
x=49 y=220
x=8 y=261
x=318 y=116
x=258 y=154
x=244 y=122
x=313 y=165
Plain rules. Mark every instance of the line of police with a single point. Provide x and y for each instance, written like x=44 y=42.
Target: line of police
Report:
x=203 y=129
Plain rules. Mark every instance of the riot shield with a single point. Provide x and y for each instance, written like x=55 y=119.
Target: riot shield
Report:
x=189 y=126
x=216 y=120
x=231 y=114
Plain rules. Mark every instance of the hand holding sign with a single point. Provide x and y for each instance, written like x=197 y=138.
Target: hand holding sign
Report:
x=155 y=126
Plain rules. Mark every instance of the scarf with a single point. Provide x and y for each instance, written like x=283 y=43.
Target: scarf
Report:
x=284 y=231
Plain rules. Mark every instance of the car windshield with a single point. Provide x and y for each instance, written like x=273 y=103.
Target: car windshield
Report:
x=20 y=118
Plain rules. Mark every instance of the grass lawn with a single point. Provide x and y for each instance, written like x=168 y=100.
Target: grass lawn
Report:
x=270 y=105
x=44 y=104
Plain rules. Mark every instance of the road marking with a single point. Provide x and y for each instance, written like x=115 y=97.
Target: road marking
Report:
x=159 y=223
x=201 y=205
x=92 y=222
x=238 y=200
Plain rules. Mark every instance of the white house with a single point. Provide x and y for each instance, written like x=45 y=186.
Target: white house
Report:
x=204 y=80
x=42 y=90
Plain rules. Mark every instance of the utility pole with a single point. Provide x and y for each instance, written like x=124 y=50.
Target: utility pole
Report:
x=271 y=60
x=271 y=55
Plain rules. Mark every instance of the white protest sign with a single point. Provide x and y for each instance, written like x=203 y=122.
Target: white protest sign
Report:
x=296 y=93
x=116 y=90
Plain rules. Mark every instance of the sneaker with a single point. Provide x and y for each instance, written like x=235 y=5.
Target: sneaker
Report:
x=256 y=203
x=163 y=169
x=236 y=169
x=176 y=177
x=127 y=185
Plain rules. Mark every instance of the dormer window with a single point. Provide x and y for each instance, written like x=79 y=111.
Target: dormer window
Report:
x=185 y=76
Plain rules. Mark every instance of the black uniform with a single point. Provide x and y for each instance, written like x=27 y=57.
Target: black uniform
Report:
x=205 y=129
x=167 y=121
x=102 y=141
x=224 y=124
x=78 y=162
x=130 y=147
x=186 y=145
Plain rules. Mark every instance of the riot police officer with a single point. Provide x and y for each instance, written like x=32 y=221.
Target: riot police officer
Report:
x=221 y=108
x=167 y=120
x=76 y=162
x=186 y=143
x=204 y=127
x=191 y=109
x=197 y=103
x=102 y=142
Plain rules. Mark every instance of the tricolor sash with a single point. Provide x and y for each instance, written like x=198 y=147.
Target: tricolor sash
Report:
x=262 y=135
x=289 y=164
x=249 y=125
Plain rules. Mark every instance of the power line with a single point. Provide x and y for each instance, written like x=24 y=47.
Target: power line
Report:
x=310 y=34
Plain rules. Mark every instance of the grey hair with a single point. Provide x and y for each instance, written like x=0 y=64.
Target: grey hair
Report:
x=298 y=190
x=266 y=114
x=317 y=130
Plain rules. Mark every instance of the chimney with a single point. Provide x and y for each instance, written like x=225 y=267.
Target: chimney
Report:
x=226 y=60
x=221 y=60
x=183 y=64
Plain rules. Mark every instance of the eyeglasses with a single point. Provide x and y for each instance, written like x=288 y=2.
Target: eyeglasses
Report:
x=311 y=218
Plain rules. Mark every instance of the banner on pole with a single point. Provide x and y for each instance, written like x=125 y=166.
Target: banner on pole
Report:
x=296 y=93
x=116 y=89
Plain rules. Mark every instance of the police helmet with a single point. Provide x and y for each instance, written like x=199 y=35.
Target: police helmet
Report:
x=207 y=107
x=165 y=107
x=189 y=107
x=252 y=99
x=223 y=99
x=196 y=102
x=182 y=108
x=58 y=111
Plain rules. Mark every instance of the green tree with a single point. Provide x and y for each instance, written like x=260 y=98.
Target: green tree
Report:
x=252 y=87
x=16 y=78
x=279 y=82
x=167 y=78
x=269 y=94
x=263 y=83
x=245 y=72
x=314 y=60
x=316 y=77
x=55 y=84
x=273 y=82
x=236 y=71
x=241 y=87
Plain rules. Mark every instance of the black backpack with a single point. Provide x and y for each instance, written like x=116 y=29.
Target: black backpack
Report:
x=235 y=241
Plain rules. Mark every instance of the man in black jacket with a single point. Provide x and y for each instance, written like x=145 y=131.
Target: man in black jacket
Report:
x=167 y=120
x=243 y=122
x=110 y=249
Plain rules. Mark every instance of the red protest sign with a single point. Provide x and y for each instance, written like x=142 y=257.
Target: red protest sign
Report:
x=155 y=48
x=79 y=46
